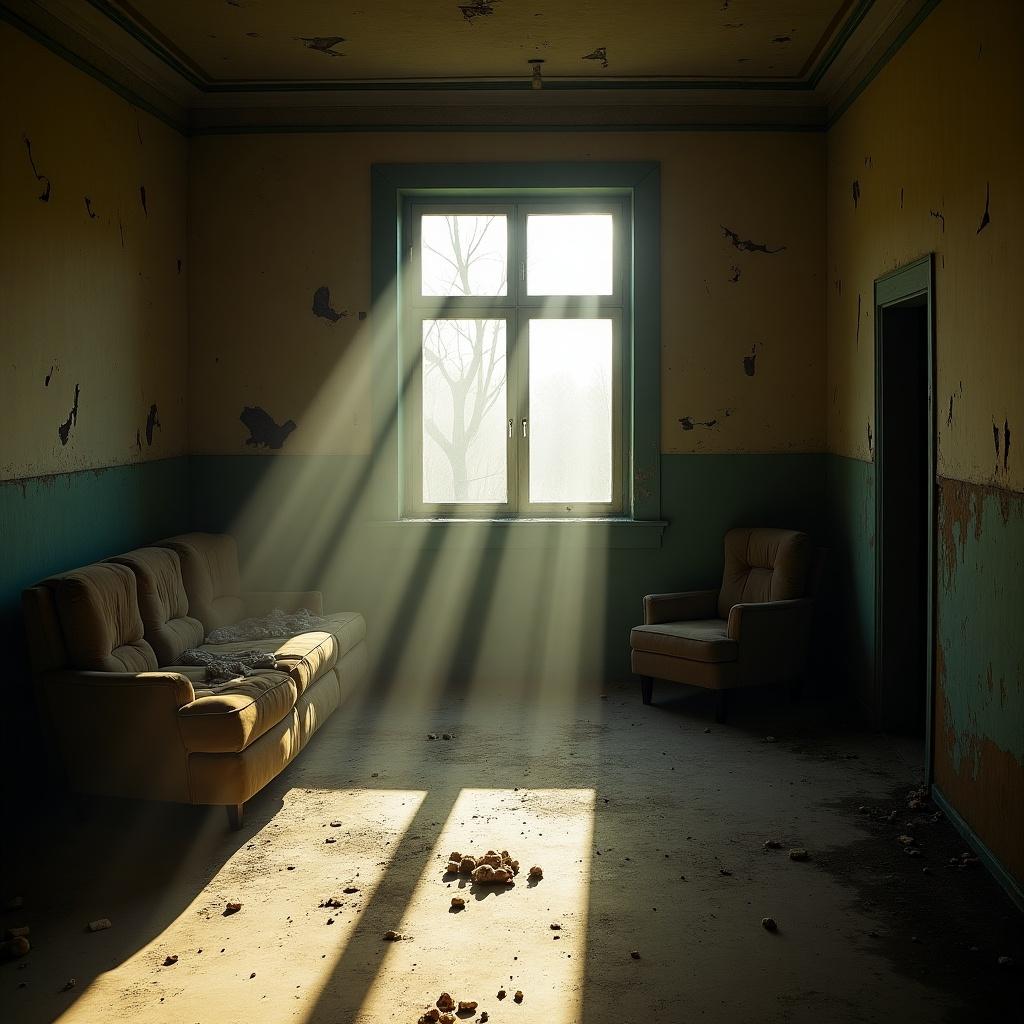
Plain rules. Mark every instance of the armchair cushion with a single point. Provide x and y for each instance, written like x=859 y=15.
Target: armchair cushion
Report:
x=692 y=604
x=209 y=570
x=704 y=640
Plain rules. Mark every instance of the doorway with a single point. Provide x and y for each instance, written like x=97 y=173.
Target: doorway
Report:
x=905 y=500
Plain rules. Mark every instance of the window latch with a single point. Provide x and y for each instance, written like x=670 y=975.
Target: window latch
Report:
x=510 y=429
x=524 y=428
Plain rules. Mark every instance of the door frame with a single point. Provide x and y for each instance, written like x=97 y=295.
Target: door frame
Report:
x=908 y=282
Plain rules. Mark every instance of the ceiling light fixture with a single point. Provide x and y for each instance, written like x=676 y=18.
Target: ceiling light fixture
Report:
x=536 y=82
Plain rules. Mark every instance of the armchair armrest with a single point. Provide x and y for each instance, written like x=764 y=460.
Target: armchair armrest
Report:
x=690 y=604
x=260 y=602
x=769 y=620
x=117 y=732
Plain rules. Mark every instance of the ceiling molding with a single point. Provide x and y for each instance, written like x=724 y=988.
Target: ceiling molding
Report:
x=133 y=59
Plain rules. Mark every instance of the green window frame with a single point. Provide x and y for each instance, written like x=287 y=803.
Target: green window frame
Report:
x=632 y=190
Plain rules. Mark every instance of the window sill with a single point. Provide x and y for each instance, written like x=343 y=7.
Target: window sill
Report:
x=429 y=532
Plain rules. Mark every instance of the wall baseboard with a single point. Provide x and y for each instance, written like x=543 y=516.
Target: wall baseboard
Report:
x=995 y=868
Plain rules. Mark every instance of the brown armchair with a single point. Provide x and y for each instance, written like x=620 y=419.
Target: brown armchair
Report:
x=752 y=632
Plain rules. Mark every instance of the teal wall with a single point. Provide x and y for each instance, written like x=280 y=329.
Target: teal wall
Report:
x=979 y=743
x=58 y=522
x=358 y=566
x=850 y=495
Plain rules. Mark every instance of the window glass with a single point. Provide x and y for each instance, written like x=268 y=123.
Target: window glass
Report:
x=464 y=254
x=464 y=407
x=569 y=254
x=570 y=422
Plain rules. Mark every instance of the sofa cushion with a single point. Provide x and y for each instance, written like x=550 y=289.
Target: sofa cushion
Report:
x=98 y=611
x=764 y=565
x=231 y=717
x=697 y=640
x=163 y=603
x=209 y=571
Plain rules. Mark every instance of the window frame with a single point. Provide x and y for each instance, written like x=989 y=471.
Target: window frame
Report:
x=518 y=309
x=635 y=183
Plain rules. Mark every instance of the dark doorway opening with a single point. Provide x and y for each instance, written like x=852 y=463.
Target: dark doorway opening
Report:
x=905 y=472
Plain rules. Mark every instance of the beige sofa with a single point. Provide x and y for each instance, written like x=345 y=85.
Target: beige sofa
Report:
x=127 y=719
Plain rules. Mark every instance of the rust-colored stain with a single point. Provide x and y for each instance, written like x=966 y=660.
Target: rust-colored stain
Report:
x=960 y=507
x=978 y=783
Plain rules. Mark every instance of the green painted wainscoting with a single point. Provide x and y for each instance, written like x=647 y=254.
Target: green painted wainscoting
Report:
x=53 y=523
x=850 y=587
x=297 y=521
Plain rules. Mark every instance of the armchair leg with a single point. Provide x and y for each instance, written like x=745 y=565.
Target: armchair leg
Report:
x=646 y=689
x=722 y=706
x=236 y=815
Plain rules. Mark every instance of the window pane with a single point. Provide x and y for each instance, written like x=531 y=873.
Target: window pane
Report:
x=464 y=411
x=464 y=254
x=569 y=254
x=570 y=410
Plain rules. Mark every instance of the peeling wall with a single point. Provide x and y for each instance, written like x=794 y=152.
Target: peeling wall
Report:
x=930 y=159
x=94 y=324
x=280 y=243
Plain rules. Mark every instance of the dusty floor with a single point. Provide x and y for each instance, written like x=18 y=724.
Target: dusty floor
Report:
x=649 y=824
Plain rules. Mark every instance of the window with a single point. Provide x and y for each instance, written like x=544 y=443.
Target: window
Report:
x=515 y=326
x=514 y=313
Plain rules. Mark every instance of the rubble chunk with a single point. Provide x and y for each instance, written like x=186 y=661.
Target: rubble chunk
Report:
x=100 y=924
x=170 y=960
x=445 y=1002
x=536 y=872
x=518 y=997
x=799 y=854
x=769 y=924
x=635 y=954
x=467 y=1004
x=231 y=908
x=392 y=936
x=458 y=903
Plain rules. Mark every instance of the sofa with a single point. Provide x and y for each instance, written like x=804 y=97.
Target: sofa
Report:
x=128 y=719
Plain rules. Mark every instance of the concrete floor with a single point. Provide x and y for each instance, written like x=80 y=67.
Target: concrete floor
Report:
x=649 y=823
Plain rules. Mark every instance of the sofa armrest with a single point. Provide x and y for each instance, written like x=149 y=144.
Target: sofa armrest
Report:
x=690 y=604
x=261 y=602
x=770 y=622
x=117 y=732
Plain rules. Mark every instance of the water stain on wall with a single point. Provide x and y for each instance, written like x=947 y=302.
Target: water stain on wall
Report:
x=264 y=432
x=44 y=196
x=600 y=54
x=64 y=430
x=940 y=217
x=746 y=245
x=750 y=362
x=477 y=9
x=322 y=44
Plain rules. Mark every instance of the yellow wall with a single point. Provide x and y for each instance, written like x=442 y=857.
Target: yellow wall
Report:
x=273 y=217
x=940 y=126
x=94 y=302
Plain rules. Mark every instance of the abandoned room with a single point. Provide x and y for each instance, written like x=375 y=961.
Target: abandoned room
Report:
x=574 y=449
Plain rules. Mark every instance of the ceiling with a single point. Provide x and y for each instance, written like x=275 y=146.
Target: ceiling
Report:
x=754 y=60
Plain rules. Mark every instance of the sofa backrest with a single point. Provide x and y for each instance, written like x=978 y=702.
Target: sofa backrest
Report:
x=209 y=570
x=163 y=603
x=95 y=610
x=764 y=565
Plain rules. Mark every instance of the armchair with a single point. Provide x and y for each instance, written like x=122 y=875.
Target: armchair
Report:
x=754 y=631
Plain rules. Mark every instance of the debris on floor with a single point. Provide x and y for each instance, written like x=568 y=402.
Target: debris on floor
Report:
x=518 y=997
x=458 y=903
x=772 y=844
x=492 y=868
x=17 y=946
x=467 y=1005
x=69 y=985
x=231 y=908
x=100 y=924
x=635 y=954
x=445 y=1002
x=393 y=936
x=536 y=872
x=170 y=960
x=769 y=924
x=799 y=854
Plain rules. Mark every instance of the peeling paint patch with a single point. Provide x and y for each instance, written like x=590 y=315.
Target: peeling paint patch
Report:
x=64 y=430
x=782 y=39
x=856 y=340
x=44 y=196
x=867 y=162
x=750 y=362
x=901 y=197
x=985 y=218
x=120 y=228
x=746 y=245
x=179 y=265
x=734 y=274
x=855 y=189
x=477 y=9
x=88 y=208
x=322 y=305
x=600 y=54
x=362 y=314
x=142 y=198
x=322 y=44
x=995 y=437
x=688 y=423
x=871 y=438
x=264 y=432
x=152 y=423
x=940 y=217
x=949 y=415
x=1006 y=445
x=46 y=379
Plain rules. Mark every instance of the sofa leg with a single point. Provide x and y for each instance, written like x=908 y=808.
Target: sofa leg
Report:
x=722 y=706
x=236 y=815
x=646 y=689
